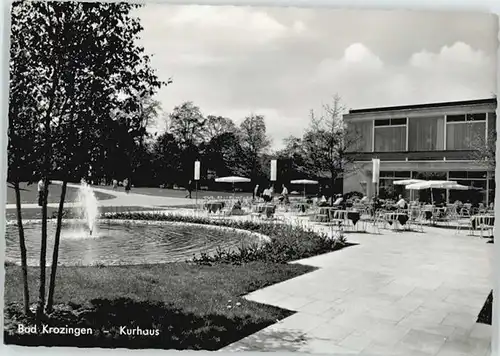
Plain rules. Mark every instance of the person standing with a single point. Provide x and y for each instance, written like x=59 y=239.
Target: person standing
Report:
x=189 y=189
x=255 y=194
x=128 y=185
x=284 y=194
x=115 y=184
x=41 y=193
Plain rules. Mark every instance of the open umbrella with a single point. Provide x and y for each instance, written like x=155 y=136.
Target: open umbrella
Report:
x=232 y=180
x=456 y=186
x=304 y=182
x=408 y=182
x=430 y=184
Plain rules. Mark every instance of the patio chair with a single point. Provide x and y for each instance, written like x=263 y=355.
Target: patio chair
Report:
x=484 y=222
x=340 y=218
x=441 y=215
x=377 y=219
x=464 y=224
x=415 y=217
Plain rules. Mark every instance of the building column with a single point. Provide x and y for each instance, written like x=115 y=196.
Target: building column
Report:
x=447 y=190
x=487 y=188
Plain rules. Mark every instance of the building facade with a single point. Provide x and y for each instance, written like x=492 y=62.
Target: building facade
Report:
x=426 y=141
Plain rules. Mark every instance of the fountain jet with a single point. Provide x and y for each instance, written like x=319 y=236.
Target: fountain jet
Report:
x=88 y=206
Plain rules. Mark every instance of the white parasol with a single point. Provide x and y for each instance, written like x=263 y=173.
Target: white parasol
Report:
x=304 y=182
x=407 y=181
x=232 y=179
x=456 y=186
x=431 y=184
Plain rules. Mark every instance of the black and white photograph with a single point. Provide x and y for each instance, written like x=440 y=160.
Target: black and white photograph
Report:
x=242 y=178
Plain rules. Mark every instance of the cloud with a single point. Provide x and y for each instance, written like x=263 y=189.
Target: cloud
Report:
x=230 y=23
x=457 y=55
x=283 y=62
x=356 y=61
x=359 y=54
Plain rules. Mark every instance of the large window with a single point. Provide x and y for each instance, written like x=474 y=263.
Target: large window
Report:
x=390 y=135
x=360 y=135
x=477 y=183
x=426 y=134
x=387 y=188
x=465 y=132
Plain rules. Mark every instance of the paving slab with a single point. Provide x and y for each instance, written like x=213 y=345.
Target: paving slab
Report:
x=396 y=293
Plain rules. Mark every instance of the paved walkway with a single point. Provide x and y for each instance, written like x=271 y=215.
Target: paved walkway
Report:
x=406 y=293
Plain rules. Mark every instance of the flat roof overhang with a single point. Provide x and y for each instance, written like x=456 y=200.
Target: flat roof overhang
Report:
x=426 y=166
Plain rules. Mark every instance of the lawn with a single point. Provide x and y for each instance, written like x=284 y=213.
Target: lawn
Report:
x=193 y=306
x=29 y=194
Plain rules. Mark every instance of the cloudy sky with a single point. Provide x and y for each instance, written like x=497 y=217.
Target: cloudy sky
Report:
x=283 y=62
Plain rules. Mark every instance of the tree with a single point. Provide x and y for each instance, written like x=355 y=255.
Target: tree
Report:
x=293 y=159
x=166 y=158
x=254 y=142
x=85 y=66
x=217 y=125
x=328 y=142
x=484 y=151
x=186 y=124
x=223 y=155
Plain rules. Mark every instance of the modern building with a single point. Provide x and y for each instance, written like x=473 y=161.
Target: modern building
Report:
x=425 y=141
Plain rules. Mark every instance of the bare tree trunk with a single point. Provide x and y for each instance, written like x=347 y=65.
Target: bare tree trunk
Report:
x=22 y=246
x=55 y=253
x=43 y=253
x=332 y=187
x=46 y=172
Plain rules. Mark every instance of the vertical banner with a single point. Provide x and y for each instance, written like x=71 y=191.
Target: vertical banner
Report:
x=274 y=166
x=197 y=170
x=376 y=170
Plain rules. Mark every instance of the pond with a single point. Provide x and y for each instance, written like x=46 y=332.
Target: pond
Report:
x=124 y=243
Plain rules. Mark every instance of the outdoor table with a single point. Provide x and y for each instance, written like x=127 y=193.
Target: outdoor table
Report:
x=215 y=206
x=482 y=219
x=352 y=215
x=269 y=210
x=302 y=207
x=402 y=218
x=328 y=210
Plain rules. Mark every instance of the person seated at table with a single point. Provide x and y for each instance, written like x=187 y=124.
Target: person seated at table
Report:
x=377 y=204
x=237 y=205
x=267 y=195
x=284 y=195
x=339 y=200
x=323 y=201
x=401 y=204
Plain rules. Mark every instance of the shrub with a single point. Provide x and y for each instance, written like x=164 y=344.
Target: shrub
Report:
x=287 y=242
